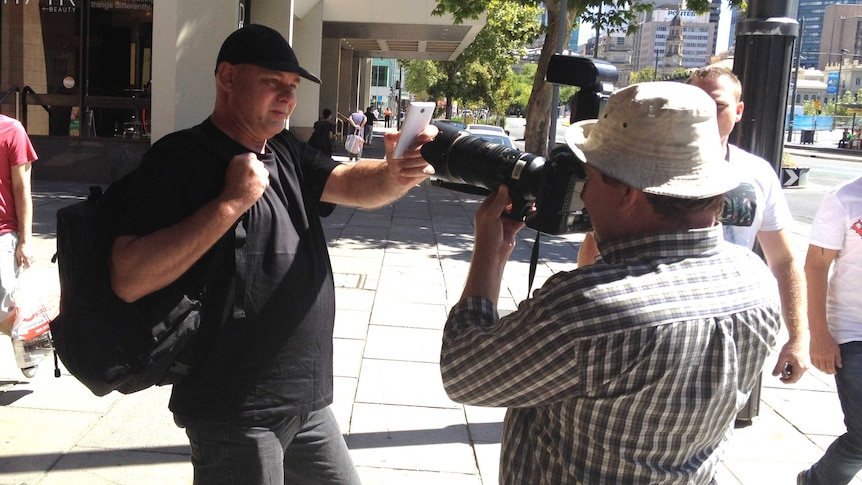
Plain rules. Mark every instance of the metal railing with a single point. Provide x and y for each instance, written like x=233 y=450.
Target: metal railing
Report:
x=340 y=127
x=47 y=101
x=13 y=90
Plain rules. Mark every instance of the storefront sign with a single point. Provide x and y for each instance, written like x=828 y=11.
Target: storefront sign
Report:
x=71 y=6
x=146 y=5
x=58 y=6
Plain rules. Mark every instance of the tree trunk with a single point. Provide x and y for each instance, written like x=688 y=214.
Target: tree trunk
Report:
x=539 y=107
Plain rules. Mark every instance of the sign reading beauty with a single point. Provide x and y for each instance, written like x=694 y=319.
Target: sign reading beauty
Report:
x=71 y=6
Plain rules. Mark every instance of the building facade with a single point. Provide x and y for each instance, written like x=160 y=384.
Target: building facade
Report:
x=812 y=13
x=841 y=34
x=96 y=81
x=616 y=48
x=695 y=35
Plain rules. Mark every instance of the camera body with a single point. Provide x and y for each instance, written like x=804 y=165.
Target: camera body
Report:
x=546 y=192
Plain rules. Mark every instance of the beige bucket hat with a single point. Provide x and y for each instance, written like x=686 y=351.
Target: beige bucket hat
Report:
x=659 y=137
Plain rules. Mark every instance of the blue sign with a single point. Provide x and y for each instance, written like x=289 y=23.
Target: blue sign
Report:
x=832 y=83
x=819 y=123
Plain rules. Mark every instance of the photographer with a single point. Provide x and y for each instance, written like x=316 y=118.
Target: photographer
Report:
x=631 y=370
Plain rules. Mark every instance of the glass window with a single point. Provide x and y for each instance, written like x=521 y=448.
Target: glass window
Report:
x=380 y=76
x=96 y=59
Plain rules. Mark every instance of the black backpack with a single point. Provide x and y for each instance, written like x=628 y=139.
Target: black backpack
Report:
x=105 y=342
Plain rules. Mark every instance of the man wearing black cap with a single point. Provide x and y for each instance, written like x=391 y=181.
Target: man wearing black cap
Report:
x=256 y=404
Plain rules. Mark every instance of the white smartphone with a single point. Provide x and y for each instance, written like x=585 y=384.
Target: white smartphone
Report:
x=415 y=120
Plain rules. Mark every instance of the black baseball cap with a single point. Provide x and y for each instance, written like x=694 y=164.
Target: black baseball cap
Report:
x=264 y=47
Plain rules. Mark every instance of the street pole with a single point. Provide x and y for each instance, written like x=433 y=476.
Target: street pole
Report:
x=795 y=80
x=655 y=69
x=562 y=26
x=838 y=82
x=764 y=51
x=400 y=86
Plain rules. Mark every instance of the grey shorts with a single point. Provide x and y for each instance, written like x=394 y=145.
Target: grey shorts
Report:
x=9 y=272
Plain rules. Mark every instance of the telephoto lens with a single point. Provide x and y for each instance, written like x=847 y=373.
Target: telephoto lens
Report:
x=460 y=158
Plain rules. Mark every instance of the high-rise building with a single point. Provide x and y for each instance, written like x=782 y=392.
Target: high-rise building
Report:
x=814 y=26
x=736 y=15
x=651 y=42
x=841 y=35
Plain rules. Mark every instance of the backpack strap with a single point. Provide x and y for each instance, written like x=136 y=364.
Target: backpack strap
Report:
x=241 y=276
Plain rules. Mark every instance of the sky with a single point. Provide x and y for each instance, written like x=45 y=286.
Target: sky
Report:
x=586 y=31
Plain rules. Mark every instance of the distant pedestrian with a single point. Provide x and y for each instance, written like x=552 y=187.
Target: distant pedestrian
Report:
x=387 y=117
x=324 y=132
x=369 y=125
x=357 y=121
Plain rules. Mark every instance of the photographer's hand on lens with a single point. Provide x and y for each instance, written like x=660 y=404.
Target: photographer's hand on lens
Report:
x=495 y=233
x=494 y=242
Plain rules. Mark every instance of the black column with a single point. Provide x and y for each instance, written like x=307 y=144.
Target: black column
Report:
x=762 y=60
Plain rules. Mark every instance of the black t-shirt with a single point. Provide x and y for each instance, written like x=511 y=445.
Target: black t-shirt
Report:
x=277 y=360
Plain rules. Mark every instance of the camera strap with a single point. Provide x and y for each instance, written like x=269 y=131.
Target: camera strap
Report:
x=534 y=261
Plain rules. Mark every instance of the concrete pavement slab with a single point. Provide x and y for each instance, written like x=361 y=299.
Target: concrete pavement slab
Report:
x=403 y=344
x=410 y=314
x=402 y=383
x=347 y=357
x=411 y=438
x=351 y=324
x=390 y=476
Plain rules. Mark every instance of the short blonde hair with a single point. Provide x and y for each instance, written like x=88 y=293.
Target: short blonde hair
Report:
x=713 y=73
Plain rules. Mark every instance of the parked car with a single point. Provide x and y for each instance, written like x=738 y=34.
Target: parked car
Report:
x=498 y=129
x=500 y=138
x=454 y=124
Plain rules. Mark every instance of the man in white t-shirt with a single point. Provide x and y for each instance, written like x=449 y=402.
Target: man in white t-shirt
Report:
x=834 y=305
x=770 y=221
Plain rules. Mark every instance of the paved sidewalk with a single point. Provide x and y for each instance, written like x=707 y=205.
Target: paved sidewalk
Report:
x=398 y=270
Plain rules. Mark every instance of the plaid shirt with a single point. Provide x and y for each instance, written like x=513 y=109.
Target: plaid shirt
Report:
x=628 y=371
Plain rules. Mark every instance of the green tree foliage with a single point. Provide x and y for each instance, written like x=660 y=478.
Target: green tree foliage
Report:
x=608 y=14
x=480 y=75
x=841 y=108
x=644 y=75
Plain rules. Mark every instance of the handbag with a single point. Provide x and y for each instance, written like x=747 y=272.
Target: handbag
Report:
x=353 y=144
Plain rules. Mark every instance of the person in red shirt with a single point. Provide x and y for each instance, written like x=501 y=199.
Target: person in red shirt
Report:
x=16 y=212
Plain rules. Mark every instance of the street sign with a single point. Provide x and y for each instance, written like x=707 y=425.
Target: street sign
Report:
x=794 y=176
